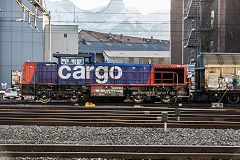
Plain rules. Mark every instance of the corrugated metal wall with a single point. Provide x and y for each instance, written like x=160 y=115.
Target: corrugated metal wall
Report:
x=18 y=41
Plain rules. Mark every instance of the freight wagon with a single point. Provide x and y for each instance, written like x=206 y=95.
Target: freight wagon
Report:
x=78 y=78
x=217 y=76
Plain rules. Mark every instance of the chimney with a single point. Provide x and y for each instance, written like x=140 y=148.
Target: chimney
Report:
x=121 y=36
x=152 y=39
x=110 y=35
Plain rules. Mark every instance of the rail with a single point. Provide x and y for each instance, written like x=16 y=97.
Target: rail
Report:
x=119 y=151
x=119 y=117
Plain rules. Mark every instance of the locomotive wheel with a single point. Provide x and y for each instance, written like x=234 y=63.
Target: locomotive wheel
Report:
x=138 y=99
x=233 y=98
x=74 y=100
x=45 y=100
x=168 y=100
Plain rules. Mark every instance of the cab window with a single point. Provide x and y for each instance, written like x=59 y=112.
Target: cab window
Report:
x=72 y=61
x=79 y=61
x=63 y=61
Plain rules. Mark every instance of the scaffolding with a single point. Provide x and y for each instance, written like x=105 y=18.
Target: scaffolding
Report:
x=198 y=37
x=39 y=8
x=199 y=19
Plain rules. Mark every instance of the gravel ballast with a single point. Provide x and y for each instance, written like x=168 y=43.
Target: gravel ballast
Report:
x=116 y=136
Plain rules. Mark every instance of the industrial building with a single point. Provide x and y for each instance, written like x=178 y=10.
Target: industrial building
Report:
x=203 y=26
x=21 y=36
x=113 y=48
x=155 y=57
x=26 y=36
x=120 y=51
x=64 y=40
x=93 y=36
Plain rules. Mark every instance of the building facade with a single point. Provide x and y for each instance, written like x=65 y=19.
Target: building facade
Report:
x=92 y=36
x=64 y=40
x=18 y=41
x=124 y=50
x=203 y=26
x=154 y=57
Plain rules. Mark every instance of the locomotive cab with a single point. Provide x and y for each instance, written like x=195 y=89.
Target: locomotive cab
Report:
x=71 y=78
x=74 y=59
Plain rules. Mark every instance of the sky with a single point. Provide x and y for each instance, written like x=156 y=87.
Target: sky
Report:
x=144 y=6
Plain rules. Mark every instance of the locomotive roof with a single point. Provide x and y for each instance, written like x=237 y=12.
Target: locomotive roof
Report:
x=73 y=55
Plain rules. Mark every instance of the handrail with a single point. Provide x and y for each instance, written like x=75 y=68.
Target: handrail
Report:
x=129 y=78
x=34 y=80
x=52 y=80
x=187 y=9
x=124 y=80
x=192 y=28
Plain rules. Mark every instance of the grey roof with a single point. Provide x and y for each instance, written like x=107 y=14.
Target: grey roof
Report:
x=137 y=54
x=100 y=47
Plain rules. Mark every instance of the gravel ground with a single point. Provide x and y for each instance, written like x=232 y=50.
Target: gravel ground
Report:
x=116 y=136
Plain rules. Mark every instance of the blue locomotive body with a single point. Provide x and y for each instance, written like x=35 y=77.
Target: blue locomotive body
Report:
x=77 y=78
x=104 y=74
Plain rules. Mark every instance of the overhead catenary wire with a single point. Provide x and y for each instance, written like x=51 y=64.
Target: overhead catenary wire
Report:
x=117 y=22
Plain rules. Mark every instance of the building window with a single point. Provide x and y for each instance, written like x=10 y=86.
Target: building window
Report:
x=212 y=18
x=146 y=60
x=131 y=60
x=65 y=35
x=211 y=46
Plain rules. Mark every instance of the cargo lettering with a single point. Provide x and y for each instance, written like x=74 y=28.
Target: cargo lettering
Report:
x=80 y=72
x=60 y=72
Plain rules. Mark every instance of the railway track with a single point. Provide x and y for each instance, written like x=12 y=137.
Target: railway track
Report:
x=119 y=117
x=119 y=152
x=206 y=105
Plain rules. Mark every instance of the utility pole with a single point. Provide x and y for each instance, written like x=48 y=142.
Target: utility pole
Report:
x=50 y=40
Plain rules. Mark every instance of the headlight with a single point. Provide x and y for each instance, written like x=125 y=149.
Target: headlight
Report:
x=172 y=93
x=39 y=92
x=78 y=92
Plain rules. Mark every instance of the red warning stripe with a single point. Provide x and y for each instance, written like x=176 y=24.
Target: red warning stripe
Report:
x=95 y=90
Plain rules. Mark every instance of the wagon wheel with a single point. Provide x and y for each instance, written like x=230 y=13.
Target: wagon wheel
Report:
x=233 y=98
x=138 y=99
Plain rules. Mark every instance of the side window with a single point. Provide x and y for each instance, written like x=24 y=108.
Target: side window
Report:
x=79 y=61
x=71 y=61
x=63 y=61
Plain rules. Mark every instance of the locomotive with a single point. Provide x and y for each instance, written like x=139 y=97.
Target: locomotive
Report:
x=77 y=78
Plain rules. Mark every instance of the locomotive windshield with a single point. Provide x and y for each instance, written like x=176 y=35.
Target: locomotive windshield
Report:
x=72 y=61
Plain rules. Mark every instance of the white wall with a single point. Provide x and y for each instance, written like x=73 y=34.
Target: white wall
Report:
x=61 y=44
